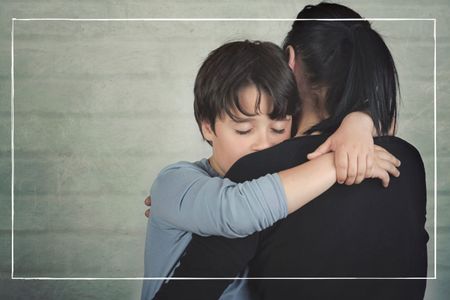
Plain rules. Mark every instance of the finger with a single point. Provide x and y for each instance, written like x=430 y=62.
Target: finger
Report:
x=148 y=201
x=385 y=179
x=387 y=155
x=322 y=149
x=147 y=213
x=341 y=163
x=352 y=169
x=370 y=163
x=379 y=148
x=389 y=167
x=382 y=175
x=391 y=158
x=362 y=166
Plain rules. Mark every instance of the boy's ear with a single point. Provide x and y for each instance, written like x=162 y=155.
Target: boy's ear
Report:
x=207 y=131
x=291 y=57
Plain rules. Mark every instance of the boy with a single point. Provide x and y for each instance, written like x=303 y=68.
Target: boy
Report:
x=245 y=101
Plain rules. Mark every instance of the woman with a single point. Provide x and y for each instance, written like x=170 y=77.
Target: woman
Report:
x=340 y=67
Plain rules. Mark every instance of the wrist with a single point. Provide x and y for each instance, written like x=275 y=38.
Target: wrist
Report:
x=328 y=161
x=362 y=120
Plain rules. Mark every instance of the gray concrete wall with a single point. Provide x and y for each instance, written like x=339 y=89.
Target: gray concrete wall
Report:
x=101 y=107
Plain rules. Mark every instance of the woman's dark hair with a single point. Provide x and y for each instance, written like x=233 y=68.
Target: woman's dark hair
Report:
x=236 y=65
x=350 y=60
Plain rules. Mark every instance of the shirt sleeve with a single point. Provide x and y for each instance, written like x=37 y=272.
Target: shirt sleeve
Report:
x=186 y=197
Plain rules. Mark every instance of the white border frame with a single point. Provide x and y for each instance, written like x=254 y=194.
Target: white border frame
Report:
x=13 y=20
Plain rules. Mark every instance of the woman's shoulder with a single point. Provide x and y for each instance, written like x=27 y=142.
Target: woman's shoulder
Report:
x=283 y=156
x=397 y=145
x=406 y=152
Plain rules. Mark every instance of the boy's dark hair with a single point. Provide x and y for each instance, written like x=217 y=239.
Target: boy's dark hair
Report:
x=239 y=64
x=350 y=60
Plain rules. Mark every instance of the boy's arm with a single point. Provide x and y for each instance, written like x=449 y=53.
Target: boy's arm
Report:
x=185 y=197
x=353 y=144
x=307 y=181
x=301 y=184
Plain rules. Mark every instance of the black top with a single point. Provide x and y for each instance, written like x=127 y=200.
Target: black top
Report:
x=363 y=230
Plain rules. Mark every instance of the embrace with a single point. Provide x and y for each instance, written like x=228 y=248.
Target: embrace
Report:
x=306 y=178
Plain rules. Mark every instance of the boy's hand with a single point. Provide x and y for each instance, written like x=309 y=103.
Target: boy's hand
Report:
x=148 y=202
x=353 y=146
x=384 y=164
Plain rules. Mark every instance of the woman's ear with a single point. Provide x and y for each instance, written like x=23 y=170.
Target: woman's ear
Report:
x=291 y=57
x=207 y=131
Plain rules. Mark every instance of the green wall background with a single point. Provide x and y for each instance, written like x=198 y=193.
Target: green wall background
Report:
x=101 y=107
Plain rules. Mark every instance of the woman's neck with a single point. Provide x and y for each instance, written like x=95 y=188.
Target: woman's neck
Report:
x=308 y=118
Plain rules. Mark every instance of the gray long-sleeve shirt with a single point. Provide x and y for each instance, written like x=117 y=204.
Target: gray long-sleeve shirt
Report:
x=192 y=198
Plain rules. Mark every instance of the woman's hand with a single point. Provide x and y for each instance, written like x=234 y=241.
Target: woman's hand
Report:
x=353 y=146
x=148 y=202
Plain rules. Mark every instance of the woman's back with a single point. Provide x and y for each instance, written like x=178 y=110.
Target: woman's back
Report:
x=362 y=230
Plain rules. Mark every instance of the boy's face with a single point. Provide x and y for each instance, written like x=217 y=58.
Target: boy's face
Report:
x=235 y=139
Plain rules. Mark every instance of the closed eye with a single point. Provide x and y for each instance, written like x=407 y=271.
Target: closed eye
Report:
x=278 y=131
x=242 y=132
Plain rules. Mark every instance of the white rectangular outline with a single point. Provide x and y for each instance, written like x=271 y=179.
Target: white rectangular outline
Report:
x=215 y=20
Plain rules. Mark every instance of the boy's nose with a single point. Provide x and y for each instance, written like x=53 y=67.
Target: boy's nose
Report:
x=262 y=143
